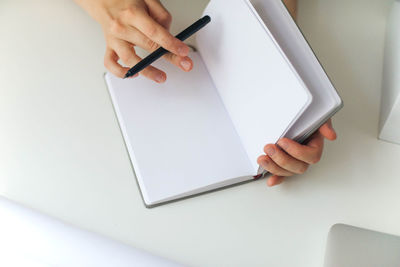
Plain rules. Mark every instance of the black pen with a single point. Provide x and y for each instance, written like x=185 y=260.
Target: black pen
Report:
x=192 y=29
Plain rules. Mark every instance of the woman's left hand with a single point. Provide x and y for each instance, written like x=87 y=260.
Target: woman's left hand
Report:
x=287 y=157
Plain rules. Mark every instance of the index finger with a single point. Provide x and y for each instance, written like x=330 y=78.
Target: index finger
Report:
x=154 y=31
x=310 y=153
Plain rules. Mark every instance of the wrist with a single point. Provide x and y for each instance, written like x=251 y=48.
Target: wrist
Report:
x=96 y=9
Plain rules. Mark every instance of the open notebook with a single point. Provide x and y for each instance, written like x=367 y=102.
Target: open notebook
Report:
x=255 y=79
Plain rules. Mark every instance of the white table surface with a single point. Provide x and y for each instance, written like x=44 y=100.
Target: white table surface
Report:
x=61 y=151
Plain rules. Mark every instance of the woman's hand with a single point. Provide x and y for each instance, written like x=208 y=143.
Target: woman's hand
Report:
x=143 y=23
x=288 y=157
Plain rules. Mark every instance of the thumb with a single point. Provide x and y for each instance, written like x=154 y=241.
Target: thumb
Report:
x=327 y=130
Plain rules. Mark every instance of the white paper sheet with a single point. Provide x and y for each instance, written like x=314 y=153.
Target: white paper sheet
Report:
x=260 y=90
x=179 y=135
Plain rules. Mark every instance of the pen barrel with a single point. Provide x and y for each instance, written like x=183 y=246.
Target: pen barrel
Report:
x=193 y=28
x=151 y=58
x=161 y=51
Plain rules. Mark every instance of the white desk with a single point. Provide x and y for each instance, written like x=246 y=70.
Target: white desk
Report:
x=61 y=151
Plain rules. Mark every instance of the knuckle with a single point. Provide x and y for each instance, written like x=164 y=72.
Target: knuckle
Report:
x=303 y=169
x=168 y=42
x=151 y=31
x=120 y=73
x=282 y=161
x=151 y=44
x=165 y=17
x=126 y=57
x=116 y=28
x=172 y=58
x=131 y=12
x=316 y=159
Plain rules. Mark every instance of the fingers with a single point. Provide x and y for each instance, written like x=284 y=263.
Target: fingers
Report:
x=275 y=180
x=132 y=35
x=327 y=131
x=316 y=142
x=269 y=165
x=294 y=159
x=141 y=20
x=185 y=63
x=145 y=26
x=126 y=53
x=135 y=37
x=153 y=73
x=159 y=13
x=310 y=153
x=111 y=63
x=289 y=157
x=284 y=160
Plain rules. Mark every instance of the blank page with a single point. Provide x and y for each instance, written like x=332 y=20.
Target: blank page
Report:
x=260 y=89
x=178 y=134
x=325 y=98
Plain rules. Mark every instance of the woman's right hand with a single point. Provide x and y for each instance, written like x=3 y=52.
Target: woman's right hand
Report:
x=143 y=23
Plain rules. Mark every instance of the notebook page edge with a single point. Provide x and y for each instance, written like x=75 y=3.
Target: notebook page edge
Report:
x=147 y=201
x=205 y=190
x=279 y=48
x=306 y=57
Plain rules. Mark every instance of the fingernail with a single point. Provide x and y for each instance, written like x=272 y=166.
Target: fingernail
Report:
x=283 y=144
x=183 y=50
x=186 y=64
x=159 y=78
x=270 y=151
